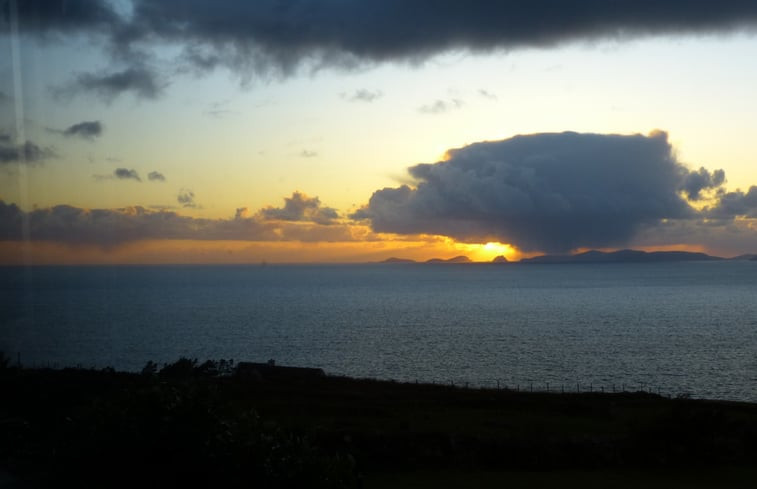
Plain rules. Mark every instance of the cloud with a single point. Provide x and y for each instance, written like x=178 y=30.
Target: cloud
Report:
x=544 y=192
x=362 y=95
x=734 y=204
x=487 y=94
x=85 y=130
x=61 y=16
x=126 y=174
x=113 y=227
x=155 y=176
x=141 y=81
x=440 y=106
x=306 y=153
x=26 y=153
x=4 y=98
x=702 y=180
x=270 y=38
x=300 y=207
x=186 y=198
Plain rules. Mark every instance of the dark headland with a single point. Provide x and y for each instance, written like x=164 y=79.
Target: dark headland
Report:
x=216 y=424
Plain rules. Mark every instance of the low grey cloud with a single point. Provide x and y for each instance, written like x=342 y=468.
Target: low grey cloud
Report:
x=186 y=198
x=440 y=106
x=155 y=176
x=300 y=207
x=546 y=192
x=725 y=237
x=126 y=174
x=734 y=204
x=140 y=81
x=269 y=38
x=27 y=153
x=362 y=95
x=119 y=174
x=85 y=130
x=112 y=227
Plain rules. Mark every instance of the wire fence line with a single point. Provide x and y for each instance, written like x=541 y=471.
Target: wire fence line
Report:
x=548 y=387
x=485 y=384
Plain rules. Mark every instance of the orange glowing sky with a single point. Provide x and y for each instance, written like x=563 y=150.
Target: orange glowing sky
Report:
x=217 y=149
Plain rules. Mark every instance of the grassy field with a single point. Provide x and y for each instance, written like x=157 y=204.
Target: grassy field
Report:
x=196 y=425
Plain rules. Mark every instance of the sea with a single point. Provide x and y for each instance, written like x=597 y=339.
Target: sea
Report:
x=677 y=329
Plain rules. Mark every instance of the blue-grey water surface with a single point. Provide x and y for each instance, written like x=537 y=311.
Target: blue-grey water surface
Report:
x=674 y=327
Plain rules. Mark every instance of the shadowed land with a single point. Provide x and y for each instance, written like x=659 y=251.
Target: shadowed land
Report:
x=201 y=425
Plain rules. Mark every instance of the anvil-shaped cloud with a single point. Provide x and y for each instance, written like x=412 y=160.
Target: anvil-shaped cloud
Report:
x=548 y=192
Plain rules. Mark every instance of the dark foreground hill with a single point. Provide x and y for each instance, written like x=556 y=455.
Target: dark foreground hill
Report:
x=191 y=425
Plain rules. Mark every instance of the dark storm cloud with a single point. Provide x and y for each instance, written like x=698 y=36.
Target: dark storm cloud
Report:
x=300 y=207
x=112 y=227
x=546 y=192
x=155 y=176
x=28 y=153
x=186 y=198
x=86 y=130
x=338 y=31
x=59 y=16
x=276 y=38
x=141 y=81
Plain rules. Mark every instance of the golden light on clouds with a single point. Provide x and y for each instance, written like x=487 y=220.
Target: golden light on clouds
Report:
x=239 y=252
x=486 y=252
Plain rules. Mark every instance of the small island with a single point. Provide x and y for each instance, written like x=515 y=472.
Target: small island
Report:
x=593 y=256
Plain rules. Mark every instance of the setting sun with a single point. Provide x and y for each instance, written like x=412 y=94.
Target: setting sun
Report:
x=487 y=252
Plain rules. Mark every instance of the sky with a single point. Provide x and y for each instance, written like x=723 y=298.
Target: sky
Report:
x=146 y=131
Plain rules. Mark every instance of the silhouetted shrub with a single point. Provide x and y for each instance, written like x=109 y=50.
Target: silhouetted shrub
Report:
x=181 y=368
x=150 y=369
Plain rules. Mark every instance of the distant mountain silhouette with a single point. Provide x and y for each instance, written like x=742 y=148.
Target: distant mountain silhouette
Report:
x=622 y=256
x=457 y=259
x=394 y=259
x=593 y=256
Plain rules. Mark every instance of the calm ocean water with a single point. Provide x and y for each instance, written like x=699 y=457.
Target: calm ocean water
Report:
x=674 y=327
